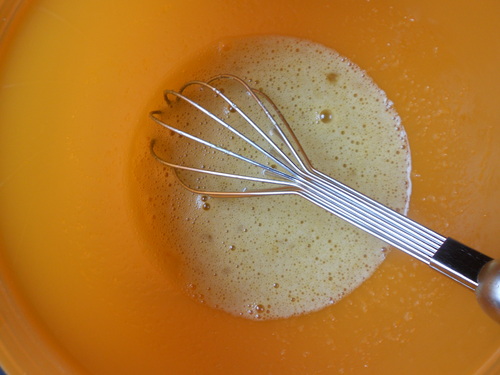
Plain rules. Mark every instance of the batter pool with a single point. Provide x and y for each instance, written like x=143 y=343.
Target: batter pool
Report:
x=273 y=257
x=85 y=287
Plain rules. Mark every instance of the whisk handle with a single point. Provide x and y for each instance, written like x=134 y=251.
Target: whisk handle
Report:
x=488 y=289
x=473 y=269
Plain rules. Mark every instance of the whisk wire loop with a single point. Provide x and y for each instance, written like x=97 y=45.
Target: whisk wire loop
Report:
x=284 y=161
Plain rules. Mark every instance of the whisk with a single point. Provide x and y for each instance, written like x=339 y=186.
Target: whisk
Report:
x=274 y=163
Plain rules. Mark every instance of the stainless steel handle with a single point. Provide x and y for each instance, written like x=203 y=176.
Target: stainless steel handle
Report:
x=473 y=269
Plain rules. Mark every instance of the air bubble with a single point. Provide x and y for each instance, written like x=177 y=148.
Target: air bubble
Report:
x=325 y=116
x=332 y=77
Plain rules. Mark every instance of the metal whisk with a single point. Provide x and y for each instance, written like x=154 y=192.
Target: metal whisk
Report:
x=275 y=163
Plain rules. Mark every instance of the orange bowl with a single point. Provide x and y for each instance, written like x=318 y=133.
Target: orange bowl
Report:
x=81 y=291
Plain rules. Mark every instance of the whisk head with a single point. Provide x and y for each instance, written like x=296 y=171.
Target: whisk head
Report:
x=238 y=142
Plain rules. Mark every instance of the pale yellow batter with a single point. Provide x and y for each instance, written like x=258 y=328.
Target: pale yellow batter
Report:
x=273 y=257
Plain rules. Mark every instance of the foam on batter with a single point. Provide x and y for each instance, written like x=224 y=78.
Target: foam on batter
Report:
x=275 y=257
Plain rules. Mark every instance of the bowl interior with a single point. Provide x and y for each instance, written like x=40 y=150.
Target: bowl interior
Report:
x=81 y=290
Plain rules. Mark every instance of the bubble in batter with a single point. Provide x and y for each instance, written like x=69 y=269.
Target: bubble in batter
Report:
x=276 y=257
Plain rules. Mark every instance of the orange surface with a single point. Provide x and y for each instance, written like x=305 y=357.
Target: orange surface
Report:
x=76 y=82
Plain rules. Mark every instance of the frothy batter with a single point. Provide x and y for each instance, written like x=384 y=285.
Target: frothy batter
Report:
x=275 y=257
